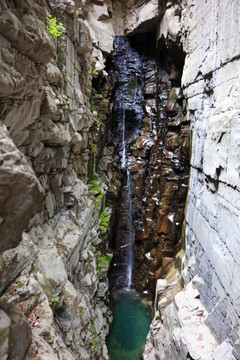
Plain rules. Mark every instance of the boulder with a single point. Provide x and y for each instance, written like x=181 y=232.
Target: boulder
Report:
x=21 y=195
x=20 y=332
x=4 y=334
x=13 y=261
x=50 y=271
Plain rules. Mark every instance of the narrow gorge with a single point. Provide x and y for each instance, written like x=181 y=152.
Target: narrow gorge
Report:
x=119 y=180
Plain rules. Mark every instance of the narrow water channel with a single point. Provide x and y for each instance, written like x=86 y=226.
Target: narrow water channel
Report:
x=131 y=314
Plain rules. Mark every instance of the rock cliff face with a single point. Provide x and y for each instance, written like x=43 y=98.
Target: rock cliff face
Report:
x=56 y=274
x=56 y=212
x=210 y=263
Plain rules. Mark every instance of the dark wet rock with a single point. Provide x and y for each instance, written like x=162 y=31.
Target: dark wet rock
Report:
x=149 y=112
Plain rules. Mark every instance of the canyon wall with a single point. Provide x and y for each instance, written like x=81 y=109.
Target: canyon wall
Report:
x=56 y=211
x=56 y=273
x=209 y=304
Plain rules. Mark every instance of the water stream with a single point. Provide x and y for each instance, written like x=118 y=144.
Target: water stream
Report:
x=131 y=315
x=128 y=112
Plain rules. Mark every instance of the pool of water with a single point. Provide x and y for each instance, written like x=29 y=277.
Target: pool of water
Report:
x=131 y=320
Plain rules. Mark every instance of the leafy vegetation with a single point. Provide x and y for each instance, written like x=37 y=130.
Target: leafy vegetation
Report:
x=54 y=27
x=78 y=11
x=55 y=300
x=95 y=190
x=96 y=70
x=103 y=262
x=104 y=221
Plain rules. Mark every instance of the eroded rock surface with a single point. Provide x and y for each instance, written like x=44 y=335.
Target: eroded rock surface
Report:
x=57 y=275
x=211 y=215
x=21 y=195
x=52 y=138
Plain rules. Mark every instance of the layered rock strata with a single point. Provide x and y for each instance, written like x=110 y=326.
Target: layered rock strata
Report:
x=209 y=264
x=150 y=125
x=57 y=275
x=51 y=141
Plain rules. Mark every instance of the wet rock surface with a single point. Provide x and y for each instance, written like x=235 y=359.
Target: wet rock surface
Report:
x=153 y=136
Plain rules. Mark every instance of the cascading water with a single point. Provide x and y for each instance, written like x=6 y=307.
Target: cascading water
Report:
x=123 y=160
x=127 y=117
x=131 y=233
x=132 y=316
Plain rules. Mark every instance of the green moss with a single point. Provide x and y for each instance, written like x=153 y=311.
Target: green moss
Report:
x=172 y=95
x=103 y=262
x=93 y=106
x=96 y=339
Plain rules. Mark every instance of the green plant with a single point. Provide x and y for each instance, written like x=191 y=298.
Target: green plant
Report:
x=96 y=70
x=65 y=76
x=93 y=148
x=54 y=27
x=104 y=221
x=78 y=11
x=93 y=107
x=99 y=123
x=96 y=339
x=103 y=262
x=55 y=300
x=95 y=190
x=94 y=186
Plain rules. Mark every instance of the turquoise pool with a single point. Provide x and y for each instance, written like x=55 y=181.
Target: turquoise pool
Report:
x=131 y=320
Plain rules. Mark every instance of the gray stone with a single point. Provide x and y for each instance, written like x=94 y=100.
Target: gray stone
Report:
x=13 y=261
x=142 y=18
x=19 y=32
x=50 y=271
x=20 y=332
x=42 y=349
x=21 y=195
x=4 y=334
x=223 y=352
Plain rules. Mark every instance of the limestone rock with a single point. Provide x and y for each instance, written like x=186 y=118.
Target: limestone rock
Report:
x=213 y=200
x=142 y=18
x=21 y=193
x=13 y=261
x=182 y=330
x=4 y=334
x=27 y=33
x=42 y=349
x=170 y=25
x=100 y=27
x=50 y=271
x=223 y=352
x=20 y=332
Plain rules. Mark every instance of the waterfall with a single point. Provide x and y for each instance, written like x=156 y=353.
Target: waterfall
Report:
x=131 y=232
x=123 y=160
x=127 y=71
